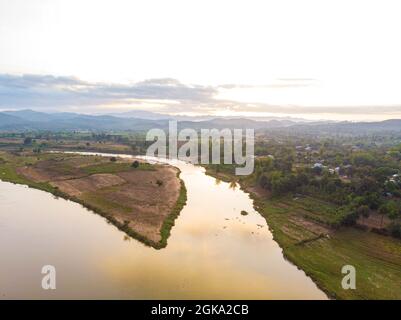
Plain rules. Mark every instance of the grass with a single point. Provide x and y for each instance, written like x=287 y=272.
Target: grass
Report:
x=377 y=258
x=9 y=174
x=170 y=219
x=113 y=167
x=99 y=200
x=224 y=173
x=311 y=208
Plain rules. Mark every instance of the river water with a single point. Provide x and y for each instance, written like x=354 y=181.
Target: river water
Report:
x=213 y=252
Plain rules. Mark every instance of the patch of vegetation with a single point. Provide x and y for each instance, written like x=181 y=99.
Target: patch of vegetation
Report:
x=9 y=174
x=100 y=200
x=115 y=167
x=244 y=213
x=170 y=219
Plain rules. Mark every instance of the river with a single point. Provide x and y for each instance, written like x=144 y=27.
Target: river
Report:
x=213 y=252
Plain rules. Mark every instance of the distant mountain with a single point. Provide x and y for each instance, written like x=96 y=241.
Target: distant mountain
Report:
x=32 y=120
x=10 y=122
x=350 y=128
x=29 y=120
x=29 y=115
x=160 y=116
x=35 y=116
x=236 y=123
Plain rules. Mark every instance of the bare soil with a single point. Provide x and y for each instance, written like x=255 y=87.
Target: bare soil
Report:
x=139 y=198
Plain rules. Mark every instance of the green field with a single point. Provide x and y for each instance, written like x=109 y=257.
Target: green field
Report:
x=376 y=258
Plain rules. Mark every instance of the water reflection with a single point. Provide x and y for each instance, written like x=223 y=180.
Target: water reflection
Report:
x=213 y=251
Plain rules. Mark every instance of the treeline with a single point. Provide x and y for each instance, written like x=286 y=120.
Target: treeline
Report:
x=358 y=180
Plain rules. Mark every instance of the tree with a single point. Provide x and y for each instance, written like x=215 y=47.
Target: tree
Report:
x=135 y=164
x=302 y=179
x=282 y=184
x=363 y=211
x=395 y=230
x=390 y=209
x=317 y=170
x=113 y=159
x=363 y=159
x=28 y=141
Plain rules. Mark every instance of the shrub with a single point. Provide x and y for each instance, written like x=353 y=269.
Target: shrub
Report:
x=345 y=215
x=395 y=229
x=28 y=141
x=363 y=211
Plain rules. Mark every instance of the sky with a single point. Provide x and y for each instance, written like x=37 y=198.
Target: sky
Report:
x=312 y=59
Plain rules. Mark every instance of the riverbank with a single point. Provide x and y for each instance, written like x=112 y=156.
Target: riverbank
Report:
x=214 y=251
x=141 y=199
x=298 y=226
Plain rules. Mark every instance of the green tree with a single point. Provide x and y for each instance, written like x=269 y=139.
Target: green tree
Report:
x=363 y=211
x=28 y=141
x=390 y=208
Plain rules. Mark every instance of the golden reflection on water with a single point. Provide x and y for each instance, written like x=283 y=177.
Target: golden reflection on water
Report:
x=213 y=251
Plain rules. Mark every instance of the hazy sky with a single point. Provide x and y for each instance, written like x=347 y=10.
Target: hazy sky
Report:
x=318 y=59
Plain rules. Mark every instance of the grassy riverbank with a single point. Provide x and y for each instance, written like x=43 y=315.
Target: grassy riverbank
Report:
x=114 y=188
x=300 y=225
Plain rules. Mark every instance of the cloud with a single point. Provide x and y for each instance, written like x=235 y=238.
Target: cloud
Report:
x=51 y=93
x=279 y=83
x=36 y=91
x=295 y=109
